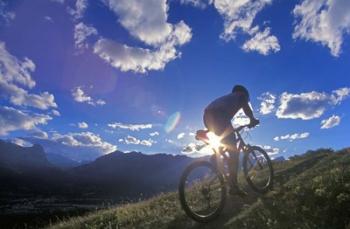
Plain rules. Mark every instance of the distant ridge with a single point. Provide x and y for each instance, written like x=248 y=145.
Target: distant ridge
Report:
x=280 y=158
x=19 y=158
x=115 y=176
x=133 y=173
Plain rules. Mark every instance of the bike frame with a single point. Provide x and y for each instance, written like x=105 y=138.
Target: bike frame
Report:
x=218 y=172
x=242 y=147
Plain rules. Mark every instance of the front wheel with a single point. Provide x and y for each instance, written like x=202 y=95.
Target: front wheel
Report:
x=258 y=169
x=202 y=191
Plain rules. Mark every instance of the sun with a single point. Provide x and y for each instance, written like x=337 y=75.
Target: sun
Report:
x=214 y=140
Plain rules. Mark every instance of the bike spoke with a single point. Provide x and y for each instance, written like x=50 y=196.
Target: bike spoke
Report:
x=257 y=169
x=203 y=193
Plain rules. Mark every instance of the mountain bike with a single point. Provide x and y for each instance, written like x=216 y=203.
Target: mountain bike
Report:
x=202 y=187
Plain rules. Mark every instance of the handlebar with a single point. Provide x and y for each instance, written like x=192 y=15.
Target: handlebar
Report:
x=238 y=129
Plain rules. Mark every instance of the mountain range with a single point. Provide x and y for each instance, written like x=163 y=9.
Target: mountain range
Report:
x=115 y=175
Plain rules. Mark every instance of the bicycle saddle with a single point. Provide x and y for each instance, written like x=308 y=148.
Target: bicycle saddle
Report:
x=202 y=135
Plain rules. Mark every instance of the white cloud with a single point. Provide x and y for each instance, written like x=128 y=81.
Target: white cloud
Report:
x=141 y=60
x=78 y=146
x=85 y=140
x=135 y=59
x=48 y=18
x=15 y=74
x=190 y=148
x=147 y=22
x=16 y=71
x=56 y=113
x=132 y=127
x=148 y=142
x=292 y=137
x=81 y=97
x=21 y=142
x=340 y=94
x=240 y=119
x=196 y=150
x=6 y=16
x=80 y=7
x=81 y=33
x=132 y=140
x=309 y=105
x=155 y=133
x=12 y=119
x=170 y=141
x=37 y=133
x=331 y=122
x=263 y=43
x=196 y=3
x=58 y=1
x=15 y=81
x=83 y=125
x=180 y=135
x=42 y=101
x=100 y=102
x=267 y=104
x=239 y=16
x=323 y=21
x=271 y=151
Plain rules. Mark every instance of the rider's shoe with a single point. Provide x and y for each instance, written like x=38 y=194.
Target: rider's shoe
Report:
x=235 y=190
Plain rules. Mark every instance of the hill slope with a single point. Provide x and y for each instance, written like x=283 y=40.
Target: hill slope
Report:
x=311 y=191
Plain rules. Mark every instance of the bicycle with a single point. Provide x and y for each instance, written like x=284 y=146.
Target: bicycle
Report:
x=202 y=187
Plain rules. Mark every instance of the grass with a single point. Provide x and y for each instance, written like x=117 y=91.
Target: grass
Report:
x=311 y=191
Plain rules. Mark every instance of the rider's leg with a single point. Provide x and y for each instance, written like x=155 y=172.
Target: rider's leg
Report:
x=215 y=122
x=230 y=142
x=233 y=164
x=221 y=125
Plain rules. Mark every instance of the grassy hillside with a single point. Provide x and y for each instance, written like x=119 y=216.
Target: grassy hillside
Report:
x=311 y=191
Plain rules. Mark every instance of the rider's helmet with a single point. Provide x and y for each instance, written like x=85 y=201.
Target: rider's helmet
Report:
x=242 y=89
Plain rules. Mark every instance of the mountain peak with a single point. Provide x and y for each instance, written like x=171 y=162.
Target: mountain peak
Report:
x=17 y=157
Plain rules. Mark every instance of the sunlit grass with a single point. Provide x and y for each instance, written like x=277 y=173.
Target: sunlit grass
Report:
x=311 y=191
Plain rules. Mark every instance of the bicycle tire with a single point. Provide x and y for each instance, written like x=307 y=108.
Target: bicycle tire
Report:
x=269 y=184
x=182 y=195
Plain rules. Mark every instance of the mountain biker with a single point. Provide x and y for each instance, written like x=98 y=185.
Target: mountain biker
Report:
x=217 y=119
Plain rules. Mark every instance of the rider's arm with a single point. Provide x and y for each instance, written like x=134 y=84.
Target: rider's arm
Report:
x=248 y=110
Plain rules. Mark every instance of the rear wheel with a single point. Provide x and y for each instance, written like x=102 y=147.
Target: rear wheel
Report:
x=258 y=169
x=202 y=191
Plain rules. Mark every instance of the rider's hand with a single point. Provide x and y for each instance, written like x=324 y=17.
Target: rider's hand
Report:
x=253 y=122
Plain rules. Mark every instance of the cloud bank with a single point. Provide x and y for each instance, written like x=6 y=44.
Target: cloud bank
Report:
x=309 y=105
x=12 y=119
x=147 y=22
x=292 y=137
x=239 y=16
x=322 y=21
x=132 y=127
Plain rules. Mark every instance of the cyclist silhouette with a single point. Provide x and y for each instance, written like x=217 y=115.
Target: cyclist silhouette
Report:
x=217 y=119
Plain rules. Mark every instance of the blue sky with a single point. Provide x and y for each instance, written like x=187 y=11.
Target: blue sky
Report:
x=136 y=75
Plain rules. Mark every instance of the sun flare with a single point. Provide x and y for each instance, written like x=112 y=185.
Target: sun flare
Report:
x=214 y=140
